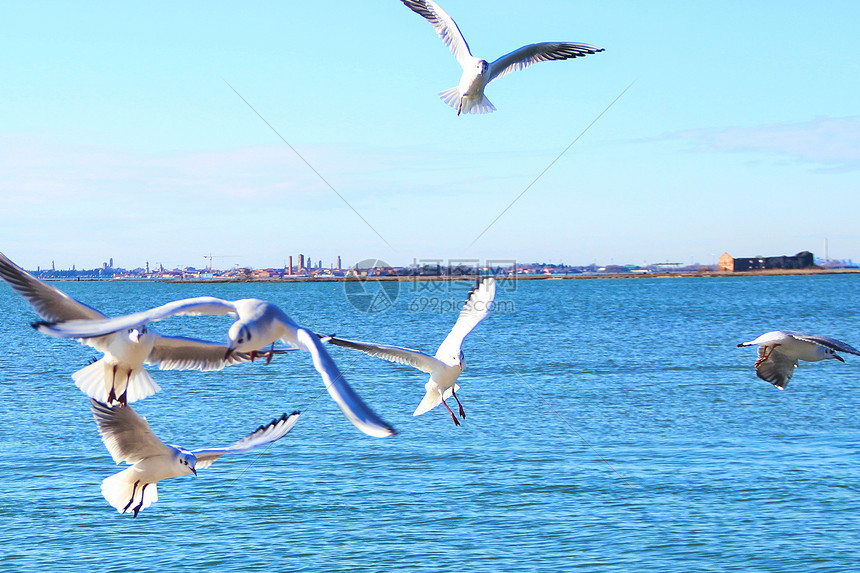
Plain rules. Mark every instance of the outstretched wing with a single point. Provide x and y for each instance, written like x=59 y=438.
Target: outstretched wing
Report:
x=474 y=311
x=396 y=354
x=181 y=353
x=48 y=302
x=777 y=369
x=837 y=345
x=90 y=328
x=262 y=436
x=126 y=435
x=351 y=404
x=533 y=53
x=444 y=25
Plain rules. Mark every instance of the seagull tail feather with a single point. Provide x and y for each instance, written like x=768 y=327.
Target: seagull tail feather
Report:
x=451 y=97
x=97 y=379
x=466 y=104
x=121 y=492
x=431 y=399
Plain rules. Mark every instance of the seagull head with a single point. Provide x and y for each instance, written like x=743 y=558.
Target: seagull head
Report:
x=239 y=337
x=187 y=461
x=134 y=334
x=482 y=66
x=830 y=353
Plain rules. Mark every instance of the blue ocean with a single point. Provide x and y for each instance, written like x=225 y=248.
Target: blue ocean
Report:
x=612 y=425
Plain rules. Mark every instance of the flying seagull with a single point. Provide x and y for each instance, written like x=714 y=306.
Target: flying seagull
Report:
x=447 y=365
x=468 y=96
x=119 y=375
x=258 y=325
x=779 y=351
x=129 y=439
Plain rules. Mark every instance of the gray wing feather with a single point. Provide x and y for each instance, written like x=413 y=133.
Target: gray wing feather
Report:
x=125 y=434
x=396 y=354
x=264 y=435
x=777 y=369
x=181 y=353
x=90 y=328
x=533 y=53
x=350 y=403
x=47 y=301
x=825 y=341
x=476 y=308
x=445 y=27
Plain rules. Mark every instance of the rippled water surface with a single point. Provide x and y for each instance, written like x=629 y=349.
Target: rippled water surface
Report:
x=612 y=425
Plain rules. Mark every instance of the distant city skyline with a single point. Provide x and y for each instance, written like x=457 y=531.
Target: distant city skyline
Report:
x=121 y=136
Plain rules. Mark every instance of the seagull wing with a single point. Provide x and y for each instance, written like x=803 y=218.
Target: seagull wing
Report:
x=50 y=303
x=445 y=26
x=825 y=341
x=533 y=53
x=396 y=354
x=126 y=435
x=777 y=369
x=474 y=311
x=181 y=353
x=90 y=328
x=350 y=403
x=262 y=436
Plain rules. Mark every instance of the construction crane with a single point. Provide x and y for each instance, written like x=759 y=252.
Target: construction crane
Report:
x=210 y=256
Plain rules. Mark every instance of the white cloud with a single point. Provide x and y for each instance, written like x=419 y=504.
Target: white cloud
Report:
x=833 y=144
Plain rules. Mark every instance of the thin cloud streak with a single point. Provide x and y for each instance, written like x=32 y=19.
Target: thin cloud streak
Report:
x=832 y=143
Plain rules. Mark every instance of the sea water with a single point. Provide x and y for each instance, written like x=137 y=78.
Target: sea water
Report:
x=612 y=425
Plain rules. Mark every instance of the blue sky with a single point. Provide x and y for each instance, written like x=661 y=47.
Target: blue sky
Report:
x=120 y=138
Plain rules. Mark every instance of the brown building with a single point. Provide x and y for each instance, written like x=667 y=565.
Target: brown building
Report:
x=802 y=260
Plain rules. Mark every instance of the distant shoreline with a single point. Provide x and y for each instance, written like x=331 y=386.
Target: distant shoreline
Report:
x=580 y=276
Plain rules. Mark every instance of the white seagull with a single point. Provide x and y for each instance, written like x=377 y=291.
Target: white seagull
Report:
x=129 y=439
x=780 y=350
x=119 y=375
x=468 y=96
x=258 y=325
x=447 y=365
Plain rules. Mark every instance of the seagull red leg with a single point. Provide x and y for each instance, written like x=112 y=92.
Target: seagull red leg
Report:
x=133 y=490
x=462 y=412
x=112 y=394
x=453 y=417
x=139 y=506
x=765 y=355
x=123 y=398
x=270 y=353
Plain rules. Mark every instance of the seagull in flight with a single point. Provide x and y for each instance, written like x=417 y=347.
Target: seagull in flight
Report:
x=119 y=375
x=447 y=365
x=129 y=439
x=468 y=96
x=258 y=325
x=779 y=351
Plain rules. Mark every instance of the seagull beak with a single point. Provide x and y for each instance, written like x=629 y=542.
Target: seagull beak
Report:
x=228 y=353
x=839 y=358
x=194 y=471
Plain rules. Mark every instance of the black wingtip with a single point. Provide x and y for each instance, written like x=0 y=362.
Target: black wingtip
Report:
x=40 y=323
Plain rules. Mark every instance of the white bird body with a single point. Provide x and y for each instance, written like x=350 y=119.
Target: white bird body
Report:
x=258 y=325
x=120 y=374
x=780 y=350
x=447 y=364
x=129 y=439
x=468 y=96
